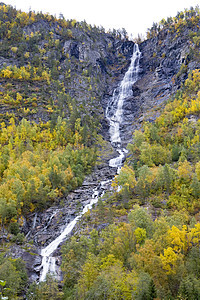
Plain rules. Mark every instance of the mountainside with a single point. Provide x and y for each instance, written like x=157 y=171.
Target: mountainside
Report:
x=53 y=75
x=57 y=80
x=59 y=64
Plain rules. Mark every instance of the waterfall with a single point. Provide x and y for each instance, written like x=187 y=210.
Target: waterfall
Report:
x=48 y=261
x=114 y=110
x=114 y=114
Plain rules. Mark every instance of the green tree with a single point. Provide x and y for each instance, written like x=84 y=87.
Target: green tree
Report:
x=190 y=288
x=139 y=217
x=146 y=289
x=144 y=182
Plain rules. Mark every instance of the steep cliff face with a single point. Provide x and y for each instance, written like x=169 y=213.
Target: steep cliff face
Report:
x=81 y=63
x=84 y=66
x=165 y=63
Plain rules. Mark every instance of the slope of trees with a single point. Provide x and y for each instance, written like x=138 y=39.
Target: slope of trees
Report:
x=186 y=19
x=39 y=165
x=147 y=246
x=147 y=256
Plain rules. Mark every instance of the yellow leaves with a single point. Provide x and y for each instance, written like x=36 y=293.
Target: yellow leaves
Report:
x=181 y=240
x=108 y=261
x=179 y=134
x=145 y=257
x=188 y=103
x=32 y=207
x=46 y=76
x=57 y=42
x=178 y=239
x=140 y=235
x=3 y=125
x=26 y=54
x=14 y=49
x=73 y=22
x=19 y=97
x=169 y=261
x=195 y=234
x=197 y=170
x=37 y=164
x=6 y=73
x=184 y=171
x=23 y=73
x=68 y=175
x=23 y=18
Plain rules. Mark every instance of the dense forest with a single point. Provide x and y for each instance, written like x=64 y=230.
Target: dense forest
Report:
x=142 y=239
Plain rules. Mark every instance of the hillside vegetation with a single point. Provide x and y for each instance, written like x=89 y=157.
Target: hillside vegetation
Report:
x=142 y=240
x=150 y=244
x=50 y=107
x=154 y=253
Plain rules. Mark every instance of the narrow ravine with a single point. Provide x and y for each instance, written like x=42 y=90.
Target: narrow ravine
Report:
x=114 y=114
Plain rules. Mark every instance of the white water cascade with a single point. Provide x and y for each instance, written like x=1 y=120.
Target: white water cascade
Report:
x=114 y=111
x=49 y=261
x=114 y=114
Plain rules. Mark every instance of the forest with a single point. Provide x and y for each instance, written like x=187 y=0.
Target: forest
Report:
x=147 y=246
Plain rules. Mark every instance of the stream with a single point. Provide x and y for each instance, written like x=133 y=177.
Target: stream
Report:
x=114 y=115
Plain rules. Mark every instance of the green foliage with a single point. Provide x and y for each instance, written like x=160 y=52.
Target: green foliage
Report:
x=139 y=217
x=146 y=288
x=140 y=260
x=41 y=161
x=13 y=277
x=153 y=256
x=45 y=290
x=165 y=154
x=188 y=18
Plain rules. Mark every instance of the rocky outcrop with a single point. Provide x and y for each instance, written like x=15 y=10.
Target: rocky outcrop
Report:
x=31 y=256
x=44 y=227
x=160 y=77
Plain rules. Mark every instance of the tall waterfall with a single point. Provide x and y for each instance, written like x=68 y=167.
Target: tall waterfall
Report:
x=114 y=113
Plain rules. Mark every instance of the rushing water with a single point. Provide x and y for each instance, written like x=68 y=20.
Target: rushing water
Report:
x=114 y=114
x=114 y=111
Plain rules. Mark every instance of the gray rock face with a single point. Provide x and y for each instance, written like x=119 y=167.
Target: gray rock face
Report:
x=45 y=227
x=161 y=59
x=31 y=258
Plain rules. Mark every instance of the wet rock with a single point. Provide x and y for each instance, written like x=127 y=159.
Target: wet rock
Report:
x=136 y=90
